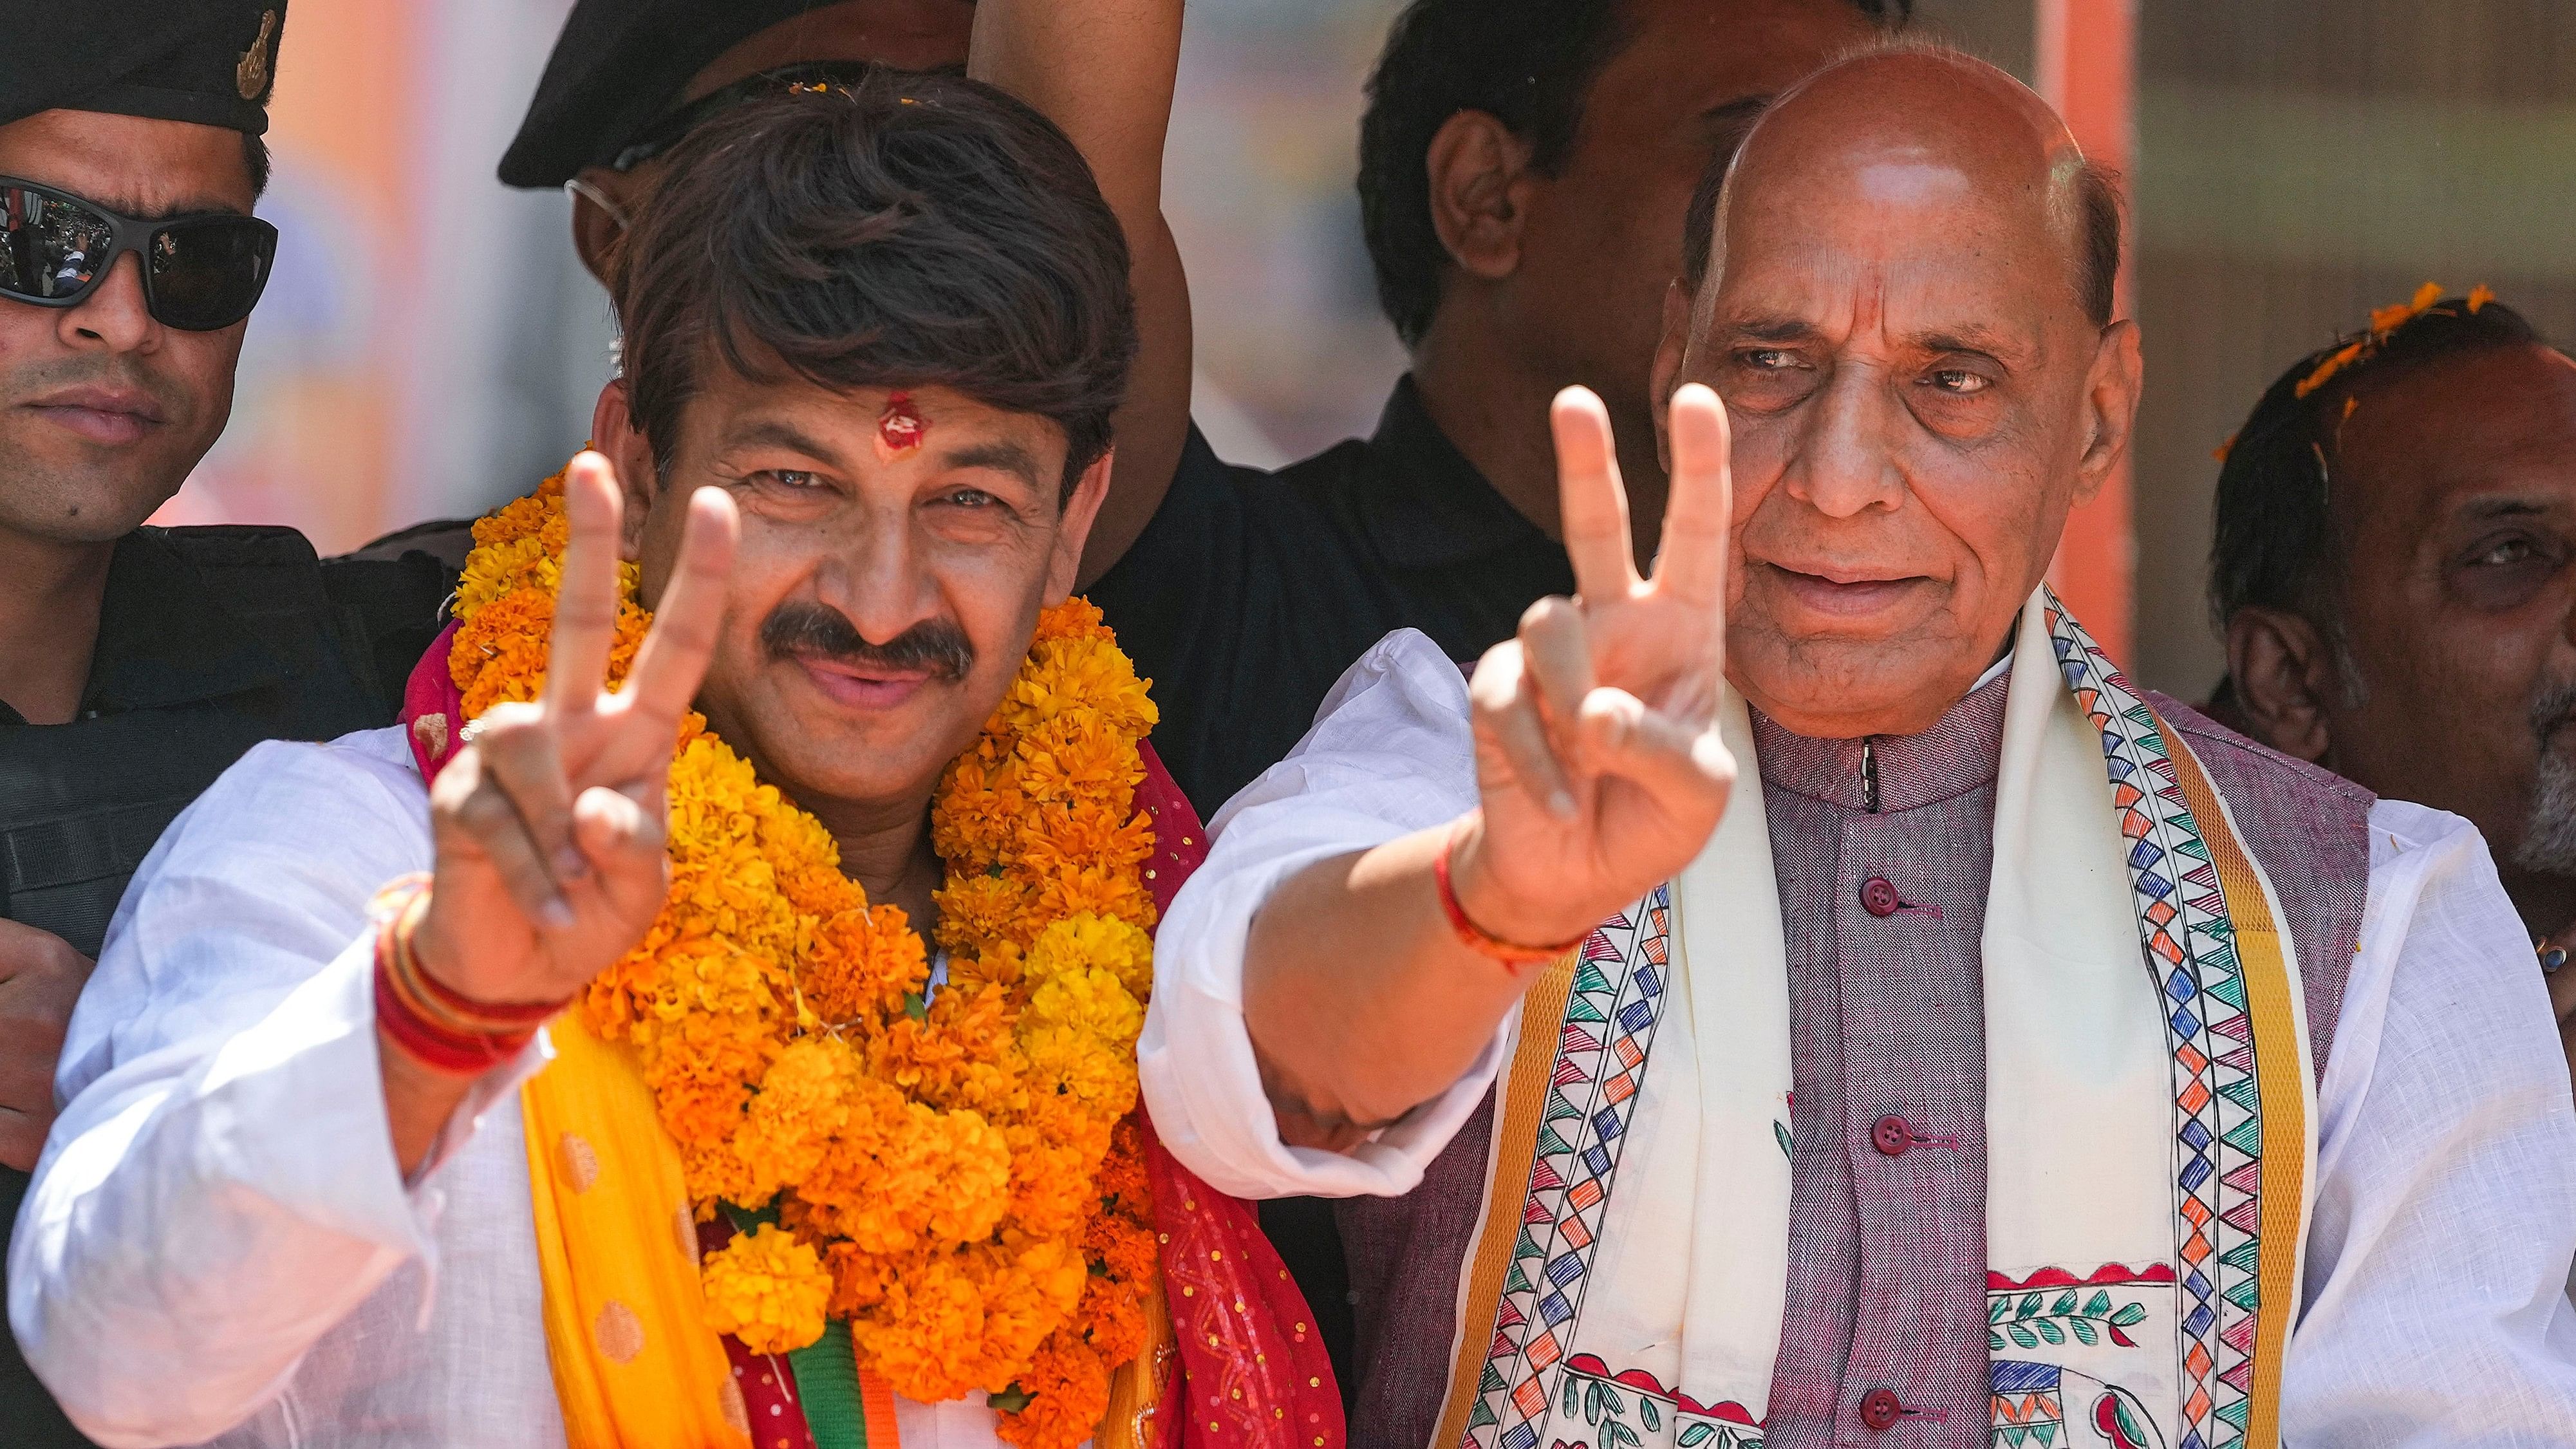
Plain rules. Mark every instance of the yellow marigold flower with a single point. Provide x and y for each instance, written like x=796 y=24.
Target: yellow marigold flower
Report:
x=1114 y=946
x=767 y=1289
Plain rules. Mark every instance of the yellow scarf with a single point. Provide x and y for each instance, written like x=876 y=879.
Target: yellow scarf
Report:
x=635 y=1365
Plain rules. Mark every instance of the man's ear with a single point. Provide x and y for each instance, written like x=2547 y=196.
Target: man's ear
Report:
x=1081 y=506
x=1478 y=171
x=2110 y=406
x=614 y=435
x=1671 y=353
x=2284 y=670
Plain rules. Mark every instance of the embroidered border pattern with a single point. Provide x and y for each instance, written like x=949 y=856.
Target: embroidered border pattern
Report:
x=1632 y=1410
x=2218 y=1132
x=1602 y=1041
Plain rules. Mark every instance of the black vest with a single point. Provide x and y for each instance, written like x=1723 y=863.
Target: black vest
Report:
x=210 y=641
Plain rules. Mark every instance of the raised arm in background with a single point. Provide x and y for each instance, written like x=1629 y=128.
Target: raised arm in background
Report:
x=1103 y=71
x=1599 y=770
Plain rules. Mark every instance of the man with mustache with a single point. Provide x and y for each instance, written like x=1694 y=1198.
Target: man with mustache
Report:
x=835 y=911
x=2395 y=568
x=1803 y=993
x=136 y=663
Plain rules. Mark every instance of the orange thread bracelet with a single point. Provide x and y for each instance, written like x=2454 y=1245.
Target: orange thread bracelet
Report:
x=1474 y=937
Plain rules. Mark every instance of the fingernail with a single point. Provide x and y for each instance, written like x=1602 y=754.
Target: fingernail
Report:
x=571 y=864
x=555 y=914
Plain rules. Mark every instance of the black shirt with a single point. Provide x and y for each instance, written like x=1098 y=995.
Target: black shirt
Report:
x=1249 y=593
x=209 y=641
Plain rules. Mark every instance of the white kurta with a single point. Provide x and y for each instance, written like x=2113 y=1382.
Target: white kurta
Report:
x=2445 y=1222
x=219 y=1245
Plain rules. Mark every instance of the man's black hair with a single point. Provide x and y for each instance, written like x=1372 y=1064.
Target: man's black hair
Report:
x=2275 y=541
x=1527 y=63
x=906 y=231
x=255 y=157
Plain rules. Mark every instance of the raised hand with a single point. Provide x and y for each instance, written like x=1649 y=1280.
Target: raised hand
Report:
x=550 y=823
x=1597 y=748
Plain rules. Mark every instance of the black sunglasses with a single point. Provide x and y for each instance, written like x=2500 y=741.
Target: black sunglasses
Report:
x=200 y=273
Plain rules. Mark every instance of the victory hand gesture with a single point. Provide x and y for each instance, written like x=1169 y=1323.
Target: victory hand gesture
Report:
x=550 y=823
x=1597 y=749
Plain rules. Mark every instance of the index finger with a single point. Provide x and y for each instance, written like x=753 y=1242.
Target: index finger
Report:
x=585 y=626
x=674 y=655
x=1699 y=511
x=1590 y=501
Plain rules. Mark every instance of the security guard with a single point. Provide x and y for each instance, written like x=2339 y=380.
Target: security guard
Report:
x=137 y=663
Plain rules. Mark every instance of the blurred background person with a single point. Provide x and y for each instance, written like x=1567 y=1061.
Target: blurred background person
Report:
x=137 y=663
x=2395 y=569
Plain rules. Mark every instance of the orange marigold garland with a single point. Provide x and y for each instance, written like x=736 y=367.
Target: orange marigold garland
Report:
x=955 y=1177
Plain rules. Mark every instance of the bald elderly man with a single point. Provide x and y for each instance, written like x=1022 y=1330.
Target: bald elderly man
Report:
x=1806 y=994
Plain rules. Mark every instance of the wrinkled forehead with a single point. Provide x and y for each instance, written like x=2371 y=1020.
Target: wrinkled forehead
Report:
x=1903 y=182
x=1902 y=246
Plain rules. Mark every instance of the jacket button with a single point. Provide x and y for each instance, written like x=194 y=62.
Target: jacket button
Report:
x=1878 y=897
x=1879 y=1409
x=1891 y=1135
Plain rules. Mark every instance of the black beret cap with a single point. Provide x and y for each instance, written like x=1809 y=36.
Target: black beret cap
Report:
x=618 y=67
x=209 y=61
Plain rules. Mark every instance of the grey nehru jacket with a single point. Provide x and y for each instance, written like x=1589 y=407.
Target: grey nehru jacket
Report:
x=1884 y=909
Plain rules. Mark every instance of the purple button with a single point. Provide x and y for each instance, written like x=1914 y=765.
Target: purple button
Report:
x=1878 y=897
x=1880 y=1409
x=1892 y=1135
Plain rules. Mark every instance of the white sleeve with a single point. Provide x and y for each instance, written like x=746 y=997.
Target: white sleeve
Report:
x=1391 y=753
x=223 y=1156
x=2436 y=1308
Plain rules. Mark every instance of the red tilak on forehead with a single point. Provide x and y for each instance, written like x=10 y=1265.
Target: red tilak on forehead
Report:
x=901 y=427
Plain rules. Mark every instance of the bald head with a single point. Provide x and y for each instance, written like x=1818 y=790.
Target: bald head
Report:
x=1905 y=305
x=1896 y=108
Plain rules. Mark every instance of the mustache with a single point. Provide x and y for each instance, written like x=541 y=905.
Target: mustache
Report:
x=811 y=631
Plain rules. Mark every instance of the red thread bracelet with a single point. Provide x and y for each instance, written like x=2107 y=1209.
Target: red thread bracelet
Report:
x=429 y=1021
x=1474 y=937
